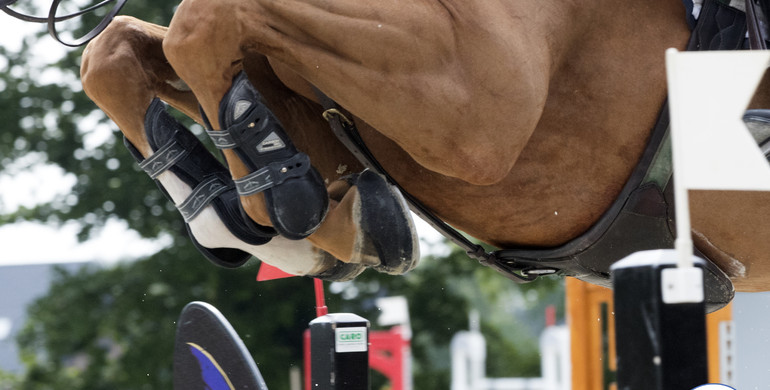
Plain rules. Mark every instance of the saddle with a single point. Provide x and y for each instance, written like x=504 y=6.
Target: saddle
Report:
x=641 y=218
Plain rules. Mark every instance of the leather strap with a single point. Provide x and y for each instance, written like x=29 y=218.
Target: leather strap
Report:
x=52 y=19
x=347 y=132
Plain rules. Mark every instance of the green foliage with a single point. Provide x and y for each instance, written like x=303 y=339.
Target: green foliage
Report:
x=8 y=381
x=56 y=123
x=114 y=328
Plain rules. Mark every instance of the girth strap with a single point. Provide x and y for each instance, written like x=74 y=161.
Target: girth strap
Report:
x=757 y=40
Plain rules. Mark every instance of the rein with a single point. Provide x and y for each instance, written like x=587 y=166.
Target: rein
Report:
x=52 y=19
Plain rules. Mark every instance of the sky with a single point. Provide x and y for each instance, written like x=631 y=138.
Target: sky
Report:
x=27 y=242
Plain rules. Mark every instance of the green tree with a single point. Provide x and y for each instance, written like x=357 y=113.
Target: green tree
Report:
x=114 y=328
x=56 y=123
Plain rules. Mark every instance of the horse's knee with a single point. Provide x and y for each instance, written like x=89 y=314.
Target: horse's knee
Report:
x=197 y=26
x=99 y=56
x=114 y=59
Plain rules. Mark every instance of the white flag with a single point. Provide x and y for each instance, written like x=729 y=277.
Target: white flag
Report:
x=708 y=95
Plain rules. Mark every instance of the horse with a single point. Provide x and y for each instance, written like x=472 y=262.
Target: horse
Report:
x=518 y=123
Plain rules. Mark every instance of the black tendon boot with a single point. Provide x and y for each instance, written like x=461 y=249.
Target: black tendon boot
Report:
x=179 y=152
x=294 y=191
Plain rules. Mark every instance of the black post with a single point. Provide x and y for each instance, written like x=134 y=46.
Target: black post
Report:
x=339 y=352
x=660 y=322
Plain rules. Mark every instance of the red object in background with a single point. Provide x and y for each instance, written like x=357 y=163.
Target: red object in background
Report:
x=550 y=315
x=268 y=272
x=389 y=353
x=320 y=299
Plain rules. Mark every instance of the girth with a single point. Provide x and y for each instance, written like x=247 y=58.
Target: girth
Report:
x=641 y=218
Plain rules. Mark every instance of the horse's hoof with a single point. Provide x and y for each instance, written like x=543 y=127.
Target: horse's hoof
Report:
x=179 y=152
x=387 y=229
x=294 y=191
x=338 y=271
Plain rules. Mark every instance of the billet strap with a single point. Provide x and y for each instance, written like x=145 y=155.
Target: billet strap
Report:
x=165 y=157
x=201 y=196
x=273 y=174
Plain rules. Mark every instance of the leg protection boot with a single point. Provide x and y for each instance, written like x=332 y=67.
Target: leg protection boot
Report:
x=179 y=152
x=294 y=191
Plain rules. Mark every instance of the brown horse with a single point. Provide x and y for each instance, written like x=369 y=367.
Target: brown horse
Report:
x=518 y=122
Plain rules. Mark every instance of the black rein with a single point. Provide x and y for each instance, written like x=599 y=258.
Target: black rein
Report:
x=52 y=19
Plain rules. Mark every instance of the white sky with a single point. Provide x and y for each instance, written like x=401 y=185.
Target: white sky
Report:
x=25 y=243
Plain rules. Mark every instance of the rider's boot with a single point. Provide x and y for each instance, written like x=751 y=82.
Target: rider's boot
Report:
x=295 y=194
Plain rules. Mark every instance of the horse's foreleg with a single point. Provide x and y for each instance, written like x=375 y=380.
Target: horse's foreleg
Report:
x=123 y=71
x=348 y=230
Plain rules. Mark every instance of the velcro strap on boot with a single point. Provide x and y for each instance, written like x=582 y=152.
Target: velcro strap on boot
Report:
x=165 y=157
x=202 y=195
x=244 y=132
x=222 y=139
x=261 y=141
x=273 y=174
